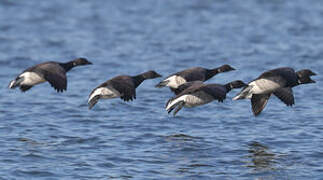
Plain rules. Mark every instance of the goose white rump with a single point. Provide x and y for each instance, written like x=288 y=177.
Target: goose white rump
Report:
x=105 y=93
x=193 y=100
x=174 y=81
x=260 y=86
x=28 y=78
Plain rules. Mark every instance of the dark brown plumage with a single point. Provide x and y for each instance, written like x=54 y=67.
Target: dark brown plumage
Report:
x=196 y=93
x=191 y=74
x=123 y=86
x=53 y=72
x=279 y=82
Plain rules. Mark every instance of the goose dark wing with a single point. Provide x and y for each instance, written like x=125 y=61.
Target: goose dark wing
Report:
x=54 y=74
x=216 y=91
x=184 y=86
x=193 y=74
x=284 y=76
x=272 y=77
x=258 y=102
x=125 y=86
x=191 y=89
x=285 y=95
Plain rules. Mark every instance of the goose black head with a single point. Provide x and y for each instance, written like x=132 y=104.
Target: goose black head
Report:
x=151 y=75
x=237 y=84
x=226 y=68
x=304 y=76
x=81 y=61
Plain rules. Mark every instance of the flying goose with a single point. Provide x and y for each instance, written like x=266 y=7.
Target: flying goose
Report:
x=123 y=86
x=279 y=82
x=53 y=72
x=197 y=94
x=191 y=74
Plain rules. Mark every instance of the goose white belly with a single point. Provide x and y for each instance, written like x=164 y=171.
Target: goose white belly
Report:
x=263 y=86
x=192 y=100
x=31 y=78
x=175 y=81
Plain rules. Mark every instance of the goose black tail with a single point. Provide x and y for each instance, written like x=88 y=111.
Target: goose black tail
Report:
x=162 y=84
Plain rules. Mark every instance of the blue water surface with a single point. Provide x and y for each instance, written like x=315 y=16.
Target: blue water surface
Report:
x=49 y=135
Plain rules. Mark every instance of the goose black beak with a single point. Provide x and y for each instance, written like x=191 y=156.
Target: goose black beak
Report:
x=313 y=74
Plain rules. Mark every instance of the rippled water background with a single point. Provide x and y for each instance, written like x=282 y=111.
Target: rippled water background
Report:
x=49 y=135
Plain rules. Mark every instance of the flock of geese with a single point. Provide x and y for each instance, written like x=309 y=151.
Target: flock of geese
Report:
x=188 y=85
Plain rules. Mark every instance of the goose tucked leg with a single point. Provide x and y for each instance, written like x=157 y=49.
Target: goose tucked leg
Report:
x=25 y=88
x=172 y=103
x=162 y=84
x=173 y=106
x=179 y=107
x=101 y=93
x=245 y=93
x=93 y=101
x=15 y=83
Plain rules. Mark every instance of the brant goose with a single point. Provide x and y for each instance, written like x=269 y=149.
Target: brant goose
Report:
x=120 y=86
x=53 y=72
x=192 y=74
x=277 y=81
x=198 y=93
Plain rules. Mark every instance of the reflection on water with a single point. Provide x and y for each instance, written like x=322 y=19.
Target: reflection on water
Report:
x=266 y=164
x=261 y=157
x=181 y=137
